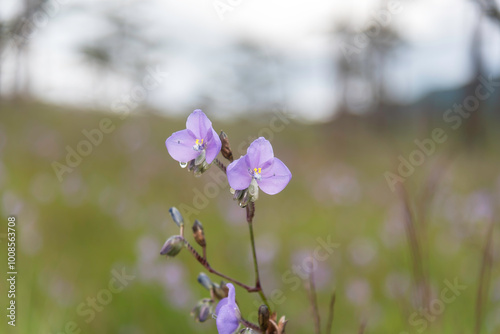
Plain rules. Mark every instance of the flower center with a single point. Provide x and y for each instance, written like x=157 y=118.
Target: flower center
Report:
x=198 y=146
x=256 y=173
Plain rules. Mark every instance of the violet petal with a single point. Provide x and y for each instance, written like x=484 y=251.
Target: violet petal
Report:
x=213 y=146
x=273 y=183
x=227 y=313
x=259 y=152
x=238 y=175
x=180 y=146
x=199 y=124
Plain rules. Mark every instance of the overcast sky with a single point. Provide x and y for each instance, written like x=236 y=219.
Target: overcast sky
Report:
x=293 y=32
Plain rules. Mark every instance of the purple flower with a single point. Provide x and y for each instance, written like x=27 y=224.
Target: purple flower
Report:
x=198 y=138
x=259 y=164
x=228 y=313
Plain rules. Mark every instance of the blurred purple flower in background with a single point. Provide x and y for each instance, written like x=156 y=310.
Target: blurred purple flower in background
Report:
x=198 y=138
x=227 y=313
x=259 y=164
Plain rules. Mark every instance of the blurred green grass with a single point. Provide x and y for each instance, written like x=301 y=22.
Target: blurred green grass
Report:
x=112 y=212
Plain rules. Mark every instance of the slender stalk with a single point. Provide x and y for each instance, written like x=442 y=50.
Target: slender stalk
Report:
x=207 y=266
x=362 y=327
x=484 y=278
x=205 y=252
x=203 y=259
x=250 y=213
x=314 y=304
x=330 y=314
x=220 y=164
x=251 y=325
x=414 y=242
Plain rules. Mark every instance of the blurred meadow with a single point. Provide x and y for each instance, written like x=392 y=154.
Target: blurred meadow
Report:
x=346 y=125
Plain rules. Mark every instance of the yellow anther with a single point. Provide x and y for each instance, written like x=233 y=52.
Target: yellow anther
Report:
x=198 y=142
x=257 y=170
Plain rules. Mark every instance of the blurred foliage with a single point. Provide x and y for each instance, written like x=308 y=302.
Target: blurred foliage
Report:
x=111 y=212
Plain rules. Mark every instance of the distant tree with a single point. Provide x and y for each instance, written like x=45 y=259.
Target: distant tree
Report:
x=122 y=51
x=347 y=65
x=16 y=33
x=246 y=80
x=363 y=63
x=486 y=9
x=380 y=49
x=118 y=49
x=491 y=9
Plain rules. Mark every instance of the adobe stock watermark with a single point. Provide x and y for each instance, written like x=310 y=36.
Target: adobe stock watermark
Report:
x=454 y=117
x=420 y=319
x=294 y=277
x=218 y=179
x=95 y=304
x=380 y=18
x=94 y=137
x=222 y=7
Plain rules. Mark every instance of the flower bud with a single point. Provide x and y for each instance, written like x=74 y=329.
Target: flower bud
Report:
x=263 y=317
x=176 y=216
x=198 y=234
x=204 y=280
x=226 y=149
x=201 y=312
x=220 y=291
x=172 y=246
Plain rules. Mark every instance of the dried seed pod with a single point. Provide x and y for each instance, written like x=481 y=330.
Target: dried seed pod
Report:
x=226 y=148
x=198 y=233
x=220 y=291
x=263 y=317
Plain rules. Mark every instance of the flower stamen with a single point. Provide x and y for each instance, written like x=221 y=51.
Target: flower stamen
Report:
x=256 y=173
x=198 y=146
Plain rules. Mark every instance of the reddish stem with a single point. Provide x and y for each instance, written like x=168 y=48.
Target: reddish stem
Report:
x=204 y=263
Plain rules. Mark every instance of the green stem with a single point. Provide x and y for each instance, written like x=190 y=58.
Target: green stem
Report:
x=254 y=253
